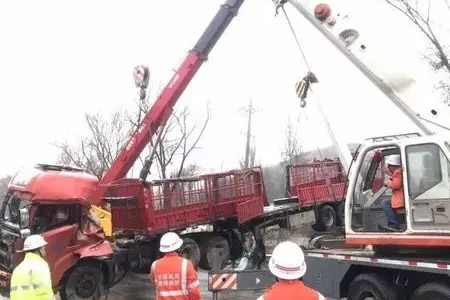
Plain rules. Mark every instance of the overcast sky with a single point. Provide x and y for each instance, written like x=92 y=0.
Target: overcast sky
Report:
x=61 y=59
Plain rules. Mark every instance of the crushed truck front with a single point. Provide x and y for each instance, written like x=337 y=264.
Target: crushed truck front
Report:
x=53 y=201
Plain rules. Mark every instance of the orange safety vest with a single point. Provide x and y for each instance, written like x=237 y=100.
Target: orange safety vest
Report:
x=175 y=278
x=396 y=185
x=290 y=290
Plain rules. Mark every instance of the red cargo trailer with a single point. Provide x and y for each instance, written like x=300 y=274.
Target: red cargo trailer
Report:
x=173 y=204
x=322 y=186
x=319 y=186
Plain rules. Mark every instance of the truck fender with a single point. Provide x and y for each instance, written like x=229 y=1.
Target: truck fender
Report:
x=61 y=266
x=100 y=249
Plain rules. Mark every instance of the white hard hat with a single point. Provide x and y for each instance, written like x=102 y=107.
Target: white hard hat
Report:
x=170 y=242
x=34 y=242
x=287 y=261
x=394 y=160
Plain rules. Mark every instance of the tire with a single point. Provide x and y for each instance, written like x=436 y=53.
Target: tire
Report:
x=372 y=286
x=432 y=291
x=84 y=282
x=191 y=251
x=206 y=251
x=326 y=218
x=340 y=214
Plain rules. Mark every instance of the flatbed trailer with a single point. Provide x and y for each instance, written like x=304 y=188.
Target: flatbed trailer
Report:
x=356 y=275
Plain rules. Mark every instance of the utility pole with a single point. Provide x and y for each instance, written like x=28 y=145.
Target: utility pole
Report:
x=250 y=110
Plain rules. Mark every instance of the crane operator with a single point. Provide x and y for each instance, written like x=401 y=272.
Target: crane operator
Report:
x=395 y=183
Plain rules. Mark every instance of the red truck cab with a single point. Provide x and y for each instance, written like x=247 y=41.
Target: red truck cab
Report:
x=53 y=201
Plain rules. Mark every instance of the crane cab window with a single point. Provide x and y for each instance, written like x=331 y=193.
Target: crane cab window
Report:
x=428 y=171
x=424 y=168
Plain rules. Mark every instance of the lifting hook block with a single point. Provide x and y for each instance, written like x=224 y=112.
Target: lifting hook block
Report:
x=302 y=87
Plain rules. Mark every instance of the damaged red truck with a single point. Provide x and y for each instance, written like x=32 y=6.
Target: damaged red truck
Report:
x=84 y=262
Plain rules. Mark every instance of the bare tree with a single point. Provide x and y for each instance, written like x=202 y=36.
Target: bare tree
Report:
x=98 y=150
x=420 y=17
x=188 y=171
x=95 y=153
x=189 y=135
x=175 y=140
x=292 y=149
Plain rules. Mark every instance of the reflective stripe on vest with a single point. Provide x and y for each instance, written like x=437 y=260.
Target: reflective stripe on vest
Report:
x=171 y=293
x=184 y=264
x=28 y=287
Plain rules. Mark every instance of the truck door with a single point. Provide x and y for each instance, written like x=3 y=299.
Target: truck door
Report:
x=428 y=172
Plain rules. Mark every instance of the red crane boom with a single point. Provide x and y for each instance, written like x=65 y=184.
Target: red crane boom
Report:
x=163 y=107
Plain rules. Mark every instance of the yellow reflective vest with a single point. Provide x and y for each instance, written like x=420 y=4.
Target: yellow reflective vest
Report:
x=31 y=279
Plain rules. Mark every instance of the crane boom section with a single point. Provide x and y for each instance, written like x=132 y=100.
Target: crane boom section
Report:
x=163 y=107
x=377 y=81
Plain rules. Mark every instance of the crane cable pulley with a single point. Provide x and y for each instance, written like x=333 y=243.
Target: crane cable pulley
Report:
x=303 y=86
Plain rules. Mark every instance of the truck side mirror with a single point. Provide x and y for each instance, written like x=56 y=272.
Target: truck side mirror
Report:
x=24 y=218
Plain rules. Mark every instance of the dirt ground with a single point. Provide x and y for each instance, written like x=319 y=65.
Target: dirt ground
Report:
x=137 y=287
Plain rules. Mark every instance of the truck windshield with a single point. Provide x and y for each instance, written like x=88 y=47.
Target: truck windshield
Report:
x=12 y=206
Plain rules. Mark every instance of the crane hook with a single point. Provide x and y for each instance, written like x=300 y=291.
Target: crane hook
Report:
x=302 y=87
x=302 y=103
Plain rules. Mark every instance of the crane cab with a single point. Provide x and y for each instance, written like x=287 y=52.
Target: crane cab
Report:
x=424 y=219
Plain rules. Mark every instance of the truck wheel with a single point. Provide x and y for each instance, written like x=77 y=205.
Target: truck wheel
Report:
x=326 y=219
x=84 y=282
x=373 y=287
x=206 y=251
x=432 y=290
x=191 y=251
x=340 y=213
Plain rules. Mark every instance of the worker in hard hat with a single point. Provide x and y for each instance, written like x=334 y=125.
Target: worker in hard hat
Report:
x=175 y=277
x=288 y=265
x=31 y=279
x=395 y=183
